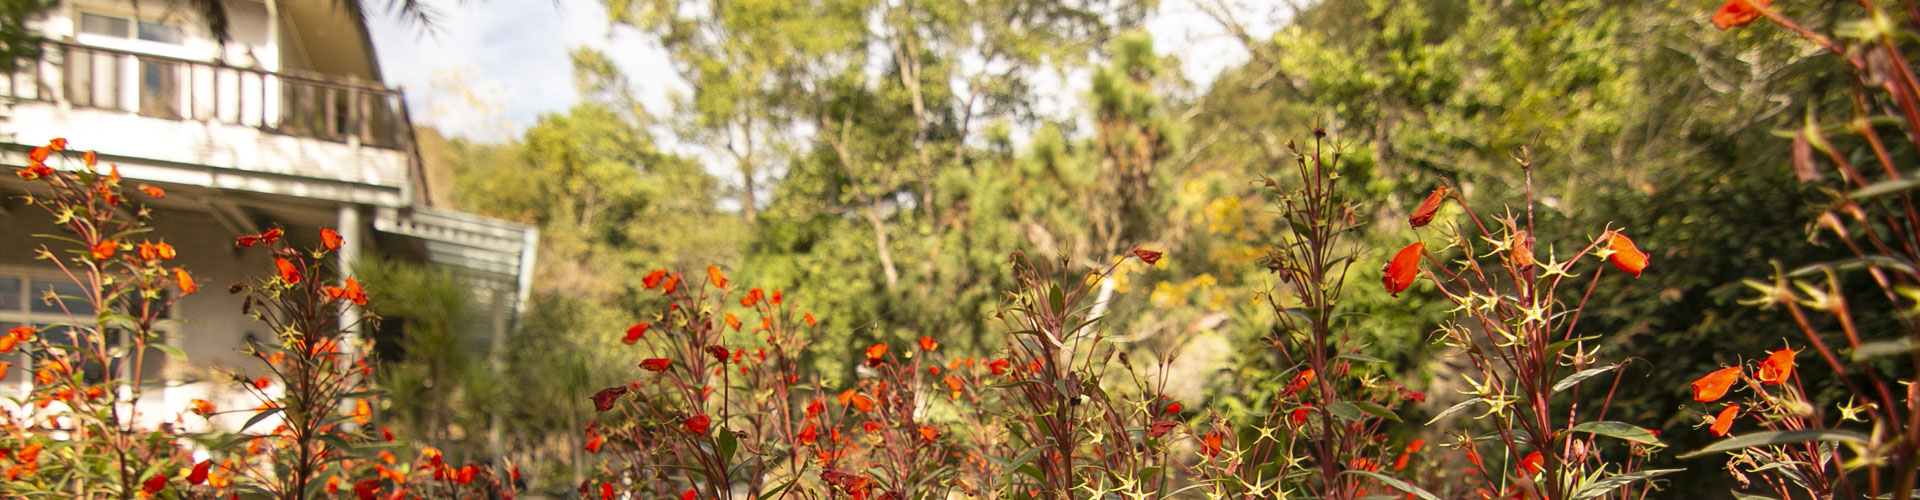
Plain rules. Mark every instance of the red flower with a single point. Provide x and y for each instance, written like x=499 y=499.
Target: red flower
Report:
x=635 y=333
x=104 y=250
x=809 y=434
x=330 y=239
x=288 y=272
x=870 y=426
x=1299 y=415
x=776 y=298
x=1738 y=13
x=91 y=158
x=928 y=344
x=875 y=353
x=603 y=400
x=1724 y=421
x=1625 y=255
x=999 y=366
x=1299 y=382
x=247 y=241
x=1778 y=367
x=1148 y=256
x=653 y=279
x=1160 y=428
x=859 y=401
x=271 y=236
x=732 y=321
x=58 y=144
x=199 y=474
x=929 y=433
x=1416 y=445
x=1424 y=215
x=718 y=278
x=752 y=297
x=187 y=286
x=1533 y=464
x=262 y=383
x=154 y=484
x=954 y=383
x=719 y=353
x=593 y=445
x=34 y=171
x=697 y=425
x=810 y=320
x=1711 y=387
x=657 y=364
x=1405 y=267
x=1173 y=409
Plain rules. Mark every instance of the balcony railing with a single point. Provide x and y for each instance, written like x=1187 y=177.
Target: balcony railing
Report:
x=185 y=89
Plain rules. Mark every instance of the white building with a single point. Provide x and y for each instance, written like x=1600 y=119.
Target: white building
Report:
x=287 y=124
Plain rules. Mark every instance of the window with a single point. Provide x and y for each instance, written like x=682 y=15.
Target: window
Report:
x=22 y=302
x=121 y=27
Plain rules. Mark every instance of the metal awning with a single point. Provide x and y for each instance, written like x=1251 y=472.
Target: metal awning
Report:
x=494 y=257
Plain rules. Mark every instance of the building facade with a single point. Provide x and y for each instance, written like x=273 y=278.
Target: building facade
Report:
x=285 y=124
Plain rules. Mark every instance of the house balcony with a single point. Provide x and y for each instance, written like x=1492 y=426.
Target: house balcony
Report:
x=217 y=125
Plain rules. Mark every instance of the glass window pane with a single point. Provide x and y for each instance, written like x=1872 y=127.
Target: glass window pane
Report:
x=160 y=32
x=11 y=296
x=95 y=24
x=69 y=292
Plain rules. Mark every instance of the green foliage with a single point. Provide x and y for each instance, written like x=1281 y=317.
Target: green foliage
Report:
x=18 y=44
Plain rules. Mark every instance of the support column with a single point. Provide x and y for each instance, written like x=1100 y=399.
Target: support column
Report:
x=351 y=239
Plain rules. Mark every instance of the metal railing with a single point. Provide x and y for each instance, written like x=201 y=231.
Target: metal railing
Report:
x=184 y=89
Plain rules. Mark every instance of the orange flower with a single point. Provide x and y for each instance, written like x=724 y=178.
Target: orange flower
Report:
x=697 y=425
x=593 y=445
x=875 y=352
x=809 y=434
x=929 y=433
x=999 y=366
x=150 y=190
x=954 y=383
x=1533 y=464
x=810 y=320
x=187 y=286
x=1778 y=367
x=271 y=236
x=1400 y=463
x=1400 y=273
x=1711 y=387
x=635 y=333
x=148 y=251
x=657 y=364
x=154 y=484
x=288 y=273
x=776 y=298
x=330 y=238
x=351 y=292
x=362 y=412
x=39 y=154
x=859 y=401
x=1416 y=445
x=733 y=321
x=814 y=408
x=653 y=278
x=262 y=382
x=1724 y=421
x=104 y=250
x=1148 y=256
x=58 y=144
x=714 y=275
x=1211 y=444
x=752 y=297
x=91 y=158
x=1299 y=415
x=870 y=426
x=1299 y=382
x=34 y=171
x=1738 y=13
x=1424 y=215
x=200 y=407
x=165 y=251
x=1625 y=255
x=928 y=344
x=672 y=283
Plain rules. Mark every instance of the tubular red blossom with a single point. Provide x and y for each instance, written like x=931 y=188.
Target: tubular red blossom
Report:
x=810 y=320
x=104 y=250
x=809 y=434
x=199 y=473
x=1424 y=215
x=752 y=297
x=288 y=272
x=718 y=278
x=1533 y=464
x=330 y=239
x=875 y=353
x=594 y=445
x=1778 y=367
x=657 y=364
x=1404 y=268
x=1626 y=256
x=1211 y=444
x=1714 y=385
x=1148 y=256
x=928 y=344
x=732 y=321
x=185 y=281
x=635 y=333
x=1724 y=421
x=929 y=433
x=653 y=279
x=154 y=484
x=1736 y=13
x=999 y=366
x=697 y=425
x=603 y=400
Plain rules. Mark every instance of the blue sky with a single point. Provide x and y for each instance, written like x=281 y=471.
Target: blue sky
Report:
x=497 y=65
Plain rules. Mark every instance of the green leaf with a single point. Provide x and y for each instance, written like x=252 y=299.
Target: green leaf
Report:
x=257 y=417
x=1583 y=375
x=1360 y=357
x=171 y=351
x=1737 y=495
x=1870 y=350
x=1021 y=460
x=1397 y=484
x=1619 y=430
x=1884 y=188
x=1456 y=408
x=1564 y=344
x=1779 y=437
x=1597 y=488
x=1057 y=298
x=727 y=444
